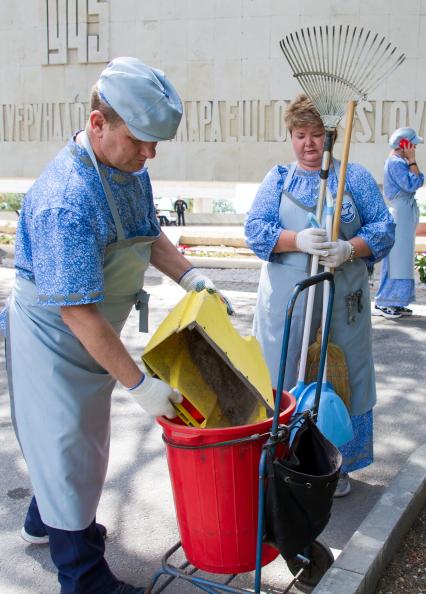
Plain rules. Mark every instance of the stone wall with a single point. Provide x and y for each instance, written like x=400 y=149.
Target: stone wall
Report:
x=225 y=60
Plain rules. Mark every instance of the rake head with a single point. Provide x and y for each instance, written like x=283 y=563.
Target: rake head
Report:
x=338 y=64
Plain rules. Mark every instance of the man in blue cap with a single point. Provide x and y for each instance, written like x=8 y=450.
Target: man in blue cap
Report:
x=402 y=178
x=86 y=234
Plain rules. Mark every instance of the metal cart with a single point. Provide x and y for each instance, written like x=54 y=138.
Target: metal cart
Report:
x=307 y=568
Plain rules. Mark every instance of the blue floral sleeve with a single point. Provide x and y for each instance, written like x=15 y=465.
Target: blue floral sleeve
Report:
x=67 y=261
x=262 y=227
x=378 y=227
x=399 y=177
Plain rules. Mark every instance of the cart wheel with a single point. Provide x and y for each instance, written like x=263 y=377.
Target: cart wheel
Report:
x=320 y=557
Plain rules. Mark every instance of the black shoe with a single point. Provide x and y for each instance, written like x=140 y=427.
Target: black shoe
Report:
x=122 y=588
x=404 y=311
x=390 y=313
x=44 y=538
x=103 y=530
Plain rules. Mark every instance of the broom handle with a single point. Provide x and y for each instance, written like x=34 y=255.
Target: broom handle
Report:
x=338 y=207
x=325 y=168
x=308 y=323
x=326 y=285
x=343 y=166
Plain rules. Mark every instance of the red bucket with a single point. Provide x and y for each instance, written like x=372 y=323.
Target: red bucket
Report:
x=216 y=492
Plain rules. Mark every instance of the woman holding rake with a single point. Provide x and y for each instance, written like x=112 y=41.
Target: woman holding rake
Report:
x=278 y=230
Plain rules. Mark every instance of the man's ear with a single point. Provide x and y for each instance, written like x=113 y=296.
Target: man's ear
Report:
x=97 y=122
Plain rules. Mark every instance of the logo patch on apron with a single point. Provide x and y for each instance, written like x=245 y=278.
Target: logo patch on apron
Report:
x=348 y=212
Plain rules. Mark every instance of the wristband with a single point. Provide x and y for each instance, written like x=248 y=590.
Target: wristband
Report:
x=140 y=382
x=183 y=274
x=352 y=253
x=413 y=163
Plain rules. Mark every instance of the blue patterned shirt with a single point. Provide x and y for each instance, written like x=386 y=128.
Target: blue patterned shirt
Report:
x=263 y=227
x=397 y=177
x=66 y=224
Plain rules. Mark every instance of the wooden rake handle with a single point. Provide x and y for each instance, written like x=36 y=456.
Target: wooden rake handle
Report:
x=343 y=166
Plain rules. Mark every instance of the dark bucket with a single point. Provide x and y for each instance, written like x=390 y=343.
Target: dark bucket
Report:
x=300 y=491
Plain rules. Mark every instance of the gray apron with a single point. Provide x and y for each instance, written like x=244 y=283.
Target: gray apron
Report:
x=403 y=207
x=61 y=396
x=351 y=322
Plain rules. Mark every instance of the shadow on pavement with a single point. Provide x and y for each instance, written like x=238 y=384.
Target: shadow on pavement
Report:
x=344 y=521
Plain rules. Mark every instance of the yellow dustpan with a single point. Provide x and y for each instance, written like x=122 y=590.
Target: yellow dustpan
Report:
x=222 y=375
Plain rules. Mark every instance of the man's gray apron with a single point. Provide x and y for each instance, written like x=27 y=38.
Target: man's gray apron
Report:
x=351 y=322
x=403 y=207
x=61 y=396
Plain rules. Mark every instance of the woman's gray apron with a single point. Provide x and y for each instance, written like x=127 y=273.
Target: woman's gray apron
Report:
x=351 y=322
x=61 y=396
x=403 y=207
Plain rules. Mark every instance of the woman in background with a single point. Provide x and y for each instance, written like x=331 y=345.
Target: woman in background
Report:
x=402 y=178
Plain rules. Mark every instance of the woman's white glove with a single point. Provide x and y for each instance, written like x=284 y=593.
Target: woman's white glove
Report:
x=192 y=280
x=156 y=397
x=338 y=254
x=313 y=240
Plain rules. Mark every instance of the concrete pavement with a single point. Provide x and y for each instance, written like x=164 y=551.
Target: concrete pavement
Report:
x=137 y=504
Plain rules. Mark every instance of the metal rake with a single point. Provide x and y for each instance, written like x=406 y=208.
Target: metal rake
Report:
x=338 y=64
x=335 y=66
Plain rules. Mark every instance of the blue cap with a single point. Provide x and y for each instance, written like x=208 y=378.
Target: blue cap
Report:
x=143 y=97
x=404 y=134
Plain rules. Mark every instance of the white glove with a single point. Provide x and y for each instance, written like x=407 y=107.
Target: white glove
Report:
x=338 y=254
x=156 y=397
x=313 y=240
x=192 y=280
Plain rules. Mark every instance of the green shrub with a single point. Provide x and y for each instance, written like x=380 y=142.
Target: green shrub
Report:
x=6 y=239
x=420 y=265
x=11 y=201
x=223 y=206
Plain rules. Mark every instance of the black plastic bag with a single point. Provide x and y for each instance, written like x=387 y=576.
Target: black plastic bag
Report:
x=300 y=489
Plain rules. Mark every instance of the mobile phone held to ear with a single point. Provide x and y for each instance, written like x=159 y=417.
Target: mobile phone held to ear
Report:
x=404 y=143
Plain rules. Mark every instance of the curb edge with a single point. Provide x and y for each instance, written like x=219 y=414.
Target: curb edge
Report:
x=372 y=547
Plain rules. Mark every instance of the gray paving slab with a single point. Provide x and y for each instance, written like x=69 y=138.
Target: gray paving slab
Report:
x=137 y=504
x=367 y=554
x=337 y=578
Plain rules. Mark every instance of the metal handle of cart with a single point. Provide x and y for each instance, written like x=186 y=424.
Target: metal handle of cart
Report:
x=271 y=442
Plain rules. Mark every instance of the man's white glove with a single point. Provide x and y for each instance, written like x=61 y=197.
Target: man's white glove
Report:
x=156 y=397
x=339 y=252
x=192 y=280
x=313 y=240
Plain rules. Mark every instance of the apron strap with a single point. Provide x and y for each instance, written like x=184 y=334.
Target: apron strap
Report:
x=336 y=165
x=141 y=299
x=141 y=304
x=410 y=197
x=289 y=176
x=107 y=190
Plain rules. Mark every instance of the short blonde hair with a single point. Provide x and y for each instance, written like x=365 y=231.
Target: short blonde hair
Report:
x=302 y=112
